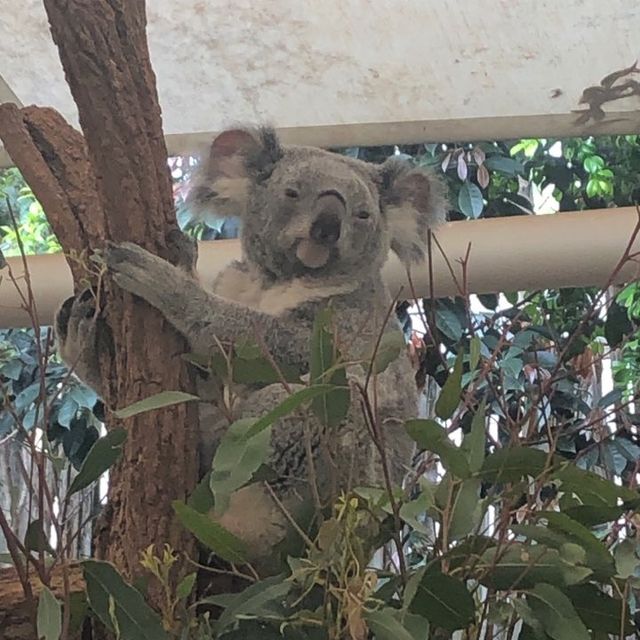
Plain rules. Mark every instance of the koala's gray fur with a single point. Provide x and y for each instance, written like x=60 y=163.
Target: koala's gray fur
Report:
x=316 y=230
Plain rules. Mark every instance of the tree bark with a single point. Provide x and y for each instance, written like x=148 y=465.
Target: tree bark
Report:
x=113 y=183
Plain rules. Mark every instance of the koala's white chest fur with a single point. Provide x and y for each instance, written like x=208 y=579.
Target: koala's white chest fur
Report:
x=248 y=289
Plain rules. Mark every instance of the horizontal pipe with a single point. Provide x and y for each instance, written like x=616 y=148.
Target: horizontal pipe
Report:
x=504 y=254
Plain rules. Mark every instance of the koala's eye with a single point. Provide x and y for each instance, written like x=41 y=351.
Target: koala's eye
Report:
x=363 y=215
x=291 y=193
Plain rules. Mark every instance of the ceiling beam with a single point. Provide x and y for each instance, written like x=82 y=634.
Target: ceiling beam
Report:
x=419 y=131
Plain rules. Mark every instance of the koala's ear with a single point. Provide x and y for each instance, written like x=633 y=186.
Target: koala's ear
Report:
x=237 y=158
x=413 y=202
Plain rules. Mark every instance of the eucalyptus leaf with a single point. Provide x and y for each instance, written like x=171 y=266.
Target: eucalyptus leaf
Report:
x=598 y=610
x=410 y=512
x=429 y=435
x=444 y=601
x=474 y=442
x=627 y=559
x=556 y=613
x=185 y=586
x=522 y=566
x=211 y=534
x=35 y=538
x=49 y=616
x=598 y=557
x=514 y=463
x=154 y=402
x=590 y=515
x=467 y=509
x=386 y=626
x=591 y=488
x=449 y=397
x=119 y=605
x=288 y=405
x=391 y=345
x=331 y=408
x=102 y=455
x=475 y=349
x=254 y=600
x=236 y=459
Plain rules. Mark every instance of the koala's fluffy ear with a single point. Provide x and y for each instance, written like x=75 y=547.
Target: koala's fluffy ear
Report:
x=237 y=158
x=413 y=202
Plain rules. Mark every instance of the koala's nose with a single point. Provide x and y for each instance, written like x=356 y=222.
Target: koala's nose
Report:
x=326 y=227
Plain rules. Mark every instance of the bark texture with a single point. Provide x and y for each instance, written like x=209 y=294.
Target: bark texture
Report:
x=113 y=183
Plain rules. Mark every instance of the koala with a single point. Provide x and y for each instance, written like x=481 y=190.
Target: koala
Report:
x=316 y=229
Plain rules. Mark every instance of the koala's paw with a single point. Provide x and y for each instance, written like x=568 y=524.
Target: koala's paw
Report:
x=82 y=336
x=139 y=272
x=75 y=320
x=184 y=247
x=75 y=327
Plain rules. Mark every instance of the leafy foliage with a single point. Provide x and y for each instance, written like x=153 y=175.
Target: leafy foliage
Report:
x=523 y=506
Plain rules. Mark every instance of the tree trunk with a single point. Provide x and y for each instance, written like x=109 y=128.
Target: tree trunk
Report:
x=114 y=184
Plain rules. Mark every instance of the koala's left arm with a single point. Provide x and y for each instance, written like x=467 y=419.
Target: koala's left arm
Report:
x=202 y=317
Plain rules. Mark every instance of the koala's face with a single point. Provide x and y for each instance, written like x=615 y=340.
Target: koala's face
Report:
x=309 y=212
x=317 y=214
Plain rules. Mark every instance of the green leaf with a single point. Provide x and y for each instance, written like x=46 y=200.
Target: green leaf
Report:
x=288 y=405
x=236 y=459
x=416 y=625
x=598 y=610
x=591 y=488
x=35 y=538
x=331 y=408
x=254 y=600
x=509 y=166
x=157 y=401
x=49 y=618
x=475 y=346
x=470 y=200
x=201 y=499
x=250 y=366
x=617 y=325
x=540 y=534
x=185 y=586
x=444 y=601
x=211 y=534
x=598 y=557
x=392 y=344
x=592 y=164
x=590 y=515
x=410 y=511
x=449 y=397
x=556 y=613
x=467 y=509
x=473 y=443
x=513 y=463
x=532 y=629
x=626 y=558
x=120 y=605
x=522 y=566
x=386 y=626
x=102 y=455
x=429 y=435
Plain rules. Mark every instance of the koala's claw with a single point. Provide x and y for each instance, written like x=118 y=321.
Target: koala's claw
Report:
x=142 y=273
